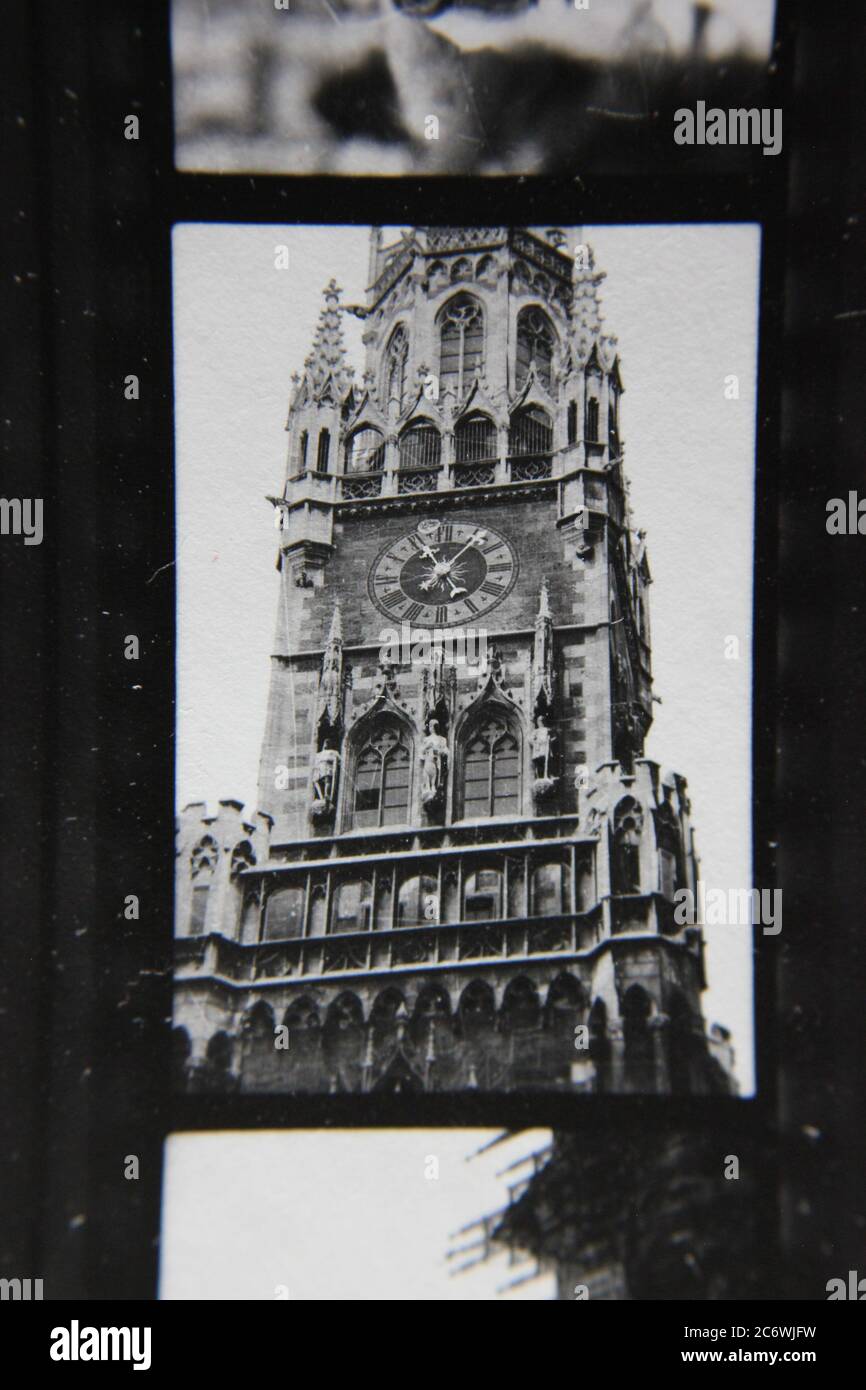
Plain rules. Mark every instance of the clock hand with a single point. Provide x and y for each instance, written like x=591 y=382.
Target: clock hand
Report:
x=475 y=539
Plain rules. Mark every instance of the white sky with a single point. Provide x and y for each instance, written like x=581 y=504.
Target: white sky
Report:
x=683 y=302
x=320 y=1215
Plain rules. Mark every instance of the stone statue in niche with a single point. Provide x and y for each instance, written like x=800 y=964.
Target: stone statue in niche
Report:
x=541 y=742
x=332 y=678
x=434 y=757
x=325 y=773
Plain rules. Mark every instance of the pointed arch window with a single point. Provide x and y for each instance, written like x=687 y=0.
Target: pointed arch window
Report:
x=475 y=440
x=420 y=446
x=670 y=852
x=203 y=861
x=592 y=420
x=461 y=352
x=612 y=430
x=534 y=344
x=395 y=366
x=382 y=780
x=530 y=432
x=627 y=827
x=365 y=450
x=302 y=450
x=491 y=771
x=324 y=451
x=572 y=422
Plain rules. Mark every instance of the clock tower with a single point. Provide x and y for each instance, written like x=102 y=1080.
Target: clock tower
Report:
x=462 y=871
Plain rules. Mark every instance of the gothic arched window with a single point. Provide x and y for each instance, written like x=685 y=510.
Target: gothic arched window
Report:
x=627 y=827
x=534 y=344
x=203 y=862
x=592 y=420
x=637 y=1038
x=670 y=851
x=382 y=777
x=520 y=1005
x=365 y=450
x=491 y=770
x=461 y=354
x=475 y=440
x=323 y=452
x=396 y=357
x=420 y=446
x=572 y=422
x=302 y=451
x=530 y=432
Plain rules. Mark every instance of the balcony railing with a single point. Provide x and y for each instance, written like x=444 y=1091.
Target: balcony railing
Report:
x=529 y=469
x=359 y=952
x=476 y=474
x=421 y=479
x=357 y=486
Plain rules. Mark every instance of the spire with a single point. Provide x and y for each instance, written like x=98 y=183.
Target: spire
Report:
x=542 y=655
x=586 y=304
x=326 y=369
x=329 y=703
x=335 y=632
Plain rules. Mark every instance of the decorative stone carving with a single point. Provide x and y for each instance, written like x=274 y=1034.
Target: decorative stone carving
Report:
x=386 y=681
x=542 y=655
x=329 y=705
x=326 y=769
x=434 y=762
x=541 y=742
x=492 y=670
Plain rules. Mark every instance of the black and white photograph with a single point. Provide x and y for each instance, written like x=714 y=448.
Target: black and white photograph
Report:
x=467 y=1215
x=480 y=87
x=431 y=594
x=470 y=860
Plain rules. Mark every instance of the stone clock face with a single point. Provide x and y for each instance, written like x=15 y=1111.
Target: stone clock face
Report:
x=443 y=573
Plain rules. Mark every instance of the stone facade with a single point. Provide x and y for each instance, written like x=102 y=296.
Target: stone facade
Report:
x=462 y=870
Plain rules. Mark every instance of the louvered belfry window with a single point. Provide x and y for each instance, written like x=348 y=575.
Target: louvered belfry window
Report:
x=420 y=446
x=475 y=440
x=530 y=433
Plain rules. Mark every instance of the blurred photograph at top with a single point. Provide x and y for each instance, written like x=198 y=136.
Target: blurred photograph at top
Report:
x=489 y=87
